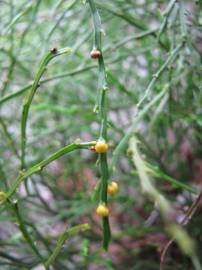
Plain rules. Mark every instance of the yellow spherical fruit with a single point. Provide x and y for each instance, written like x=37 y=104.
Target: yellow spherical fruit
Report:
x=2 y=196
x=102 y=210
x=101 y=146
x=112 y=188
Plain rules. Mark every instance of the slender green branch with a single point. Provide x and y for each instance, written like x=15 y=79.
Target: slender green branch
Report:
x=15 y=94
x=122 y=144
x=63 y=237
x=13 y=59
x=23 y=229
x=30 y=24
x=26 y=9
x=166 y=14
x=97 y=25
x=139 y=23
x=101 y=103
x=156 y=172
x=181 y=237
x=18 y=261
x=183 y=21
x=67 y=8
x=172 y=57
x=56 y=77
x=134 y=37
x=39 y=166
x=42 y=68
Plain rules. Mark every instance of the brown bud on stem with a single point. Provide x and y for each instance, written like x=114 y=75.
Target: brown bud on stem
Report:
x=95 y=54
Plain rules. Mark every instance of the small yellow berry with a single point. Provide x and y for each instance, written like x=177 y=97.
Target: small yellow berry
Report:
x=102 y=210
x=112 y=188
x=101 y=146
x=2 y=196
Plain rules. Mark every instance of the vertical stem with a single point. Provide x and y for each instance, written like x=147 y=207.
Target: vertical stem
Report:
x=97 y=25
x=101 y=103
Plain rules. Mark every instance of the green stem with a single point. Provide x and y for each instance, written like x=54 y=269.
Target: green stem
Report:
x=156 y=172
x=23 y=229
x=166 y=15
x=63 y=237
x=138 y=23
x=97 y=25
x=25 y=112
x=39 y=166
x=56 y=77
x=122 y=145
x=101 y=103
x=172 y=56
x=196 y=263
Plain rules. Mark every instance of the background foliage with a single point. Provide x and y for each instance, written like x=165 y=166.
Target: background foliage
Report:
x=152 y=52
